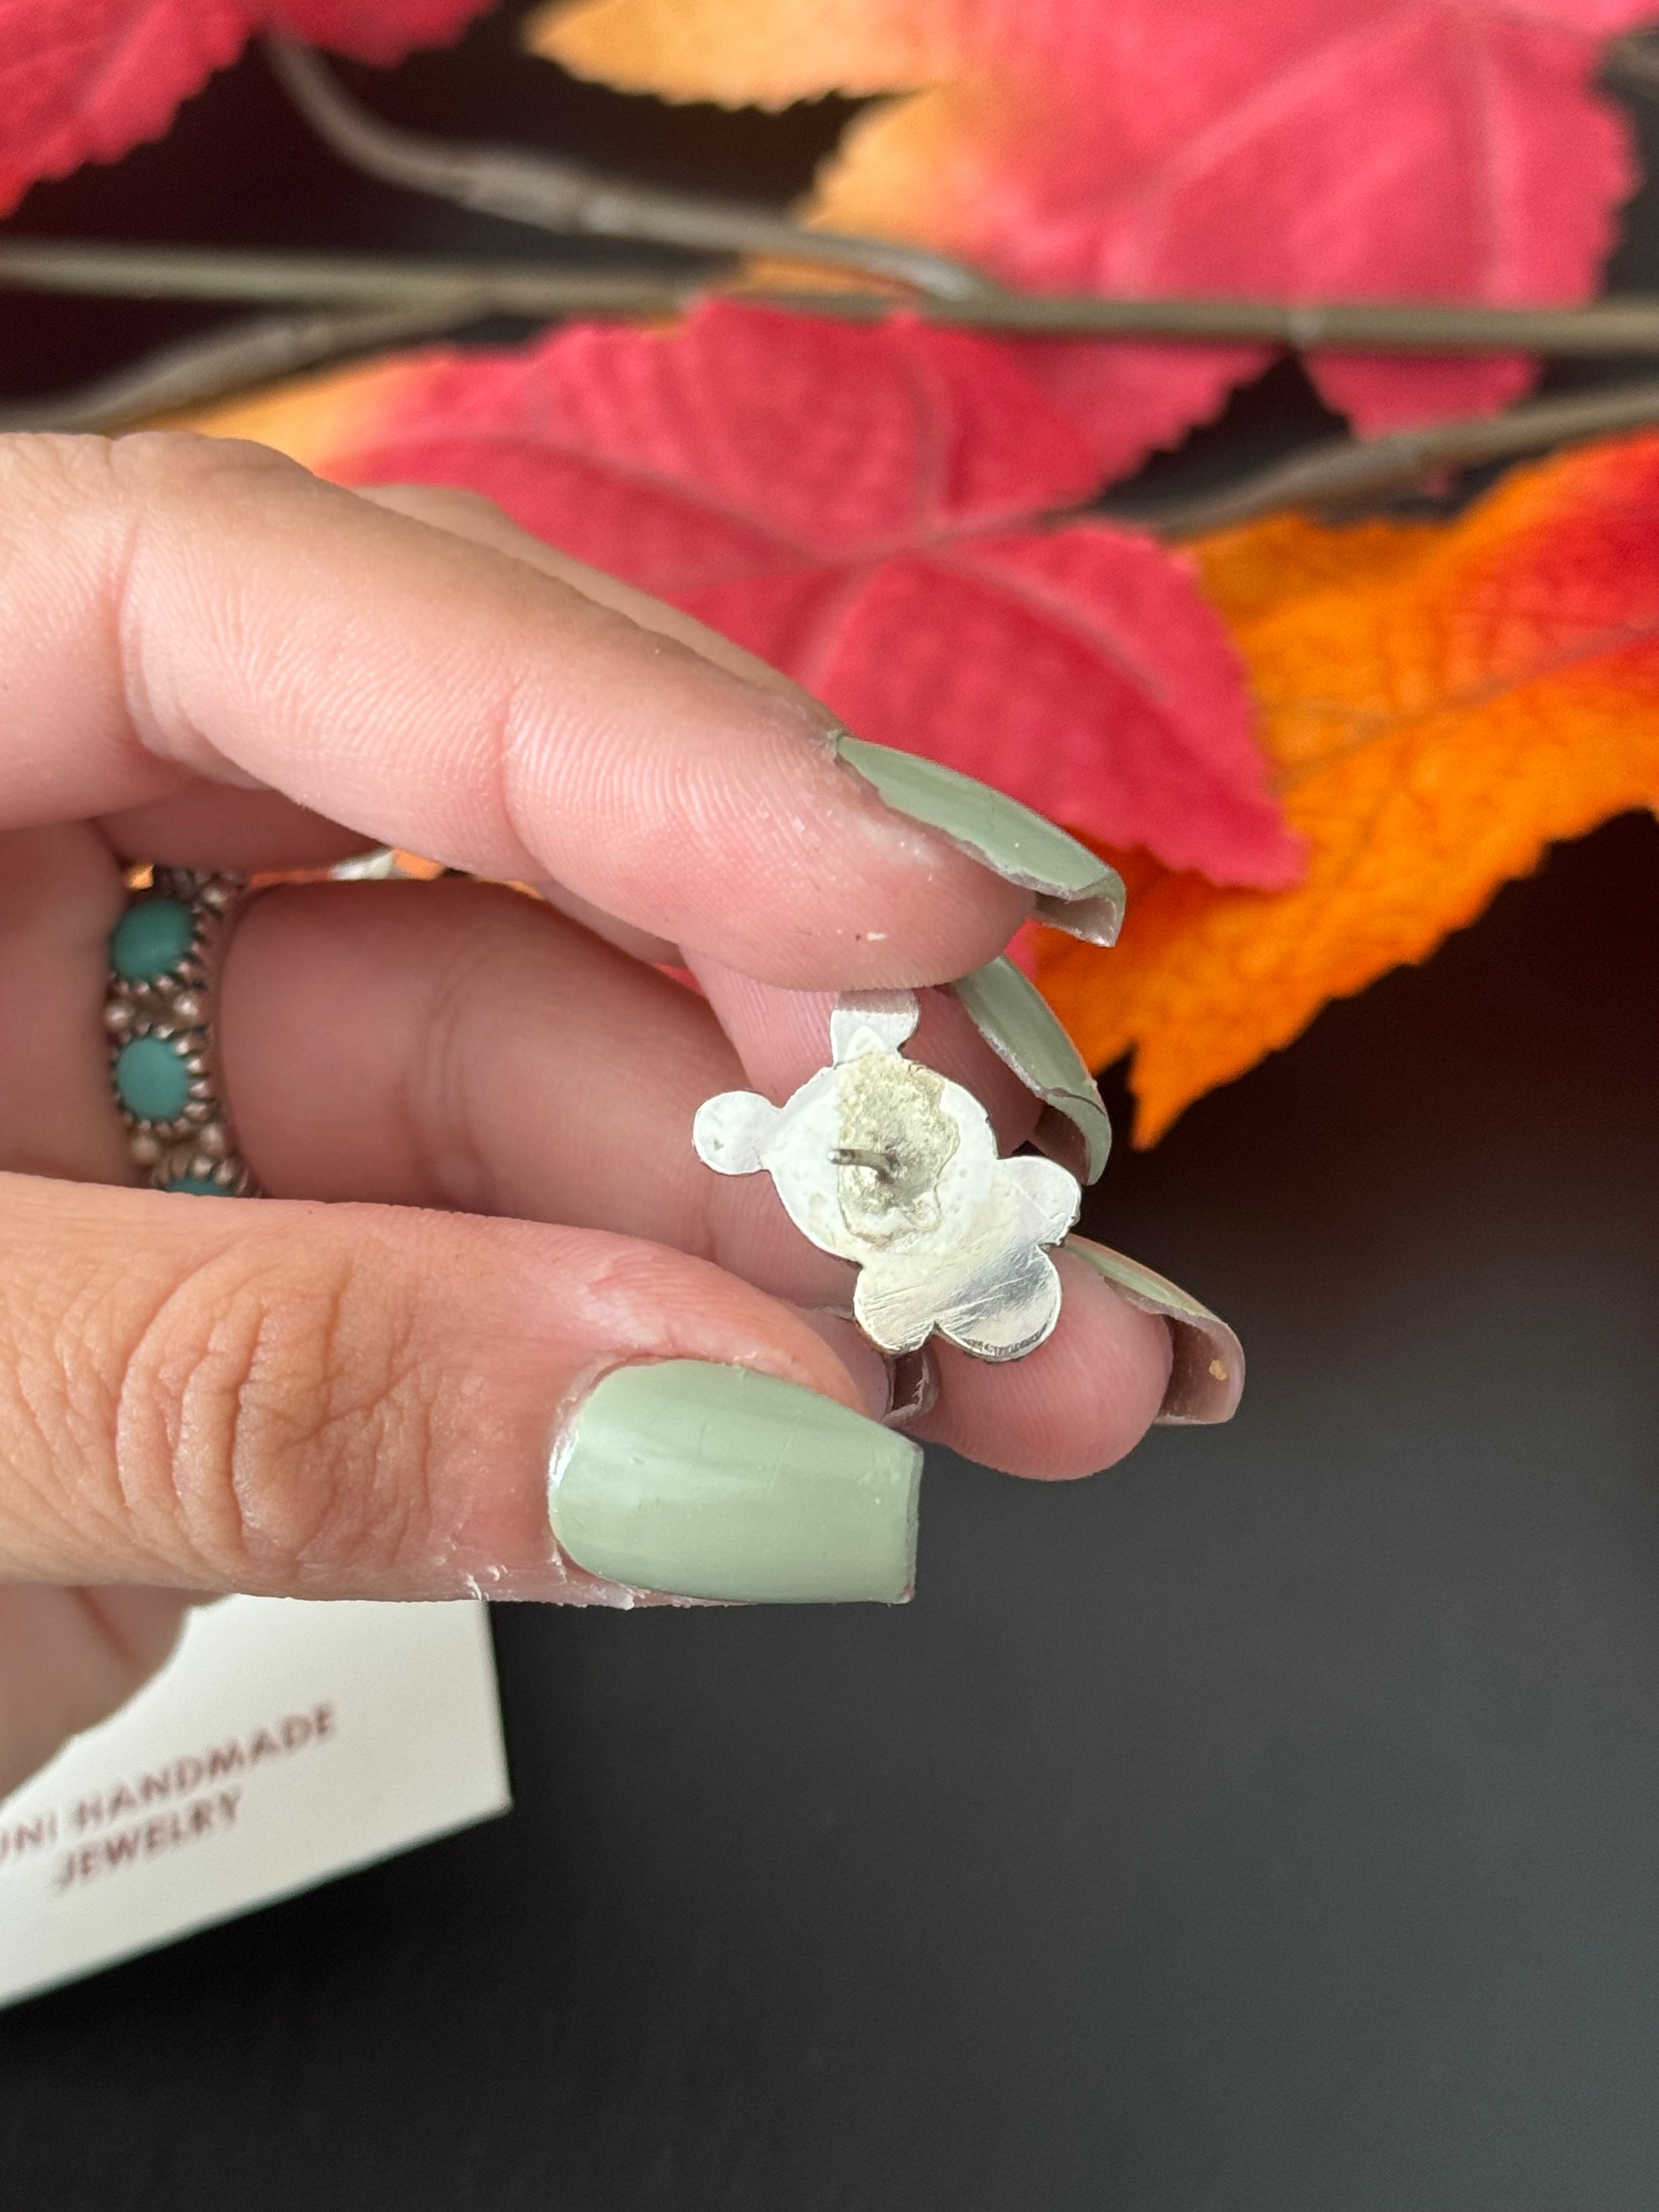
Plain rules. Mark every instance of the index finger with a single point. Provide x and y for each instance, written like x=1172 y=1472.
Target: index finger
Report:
x=178 y=607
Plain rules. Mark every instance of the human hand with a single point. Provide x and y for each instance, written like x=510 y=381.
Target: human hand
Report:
x=211 y=659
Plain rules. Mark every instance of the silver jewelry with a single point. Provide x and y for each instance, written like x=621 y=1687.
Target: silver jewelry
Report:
x=164 y=960
x=886 y=1163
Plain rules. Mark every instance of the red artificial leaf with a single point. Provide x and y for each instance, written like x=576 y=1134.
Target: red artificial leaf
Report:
x=1298 y=150
x=378 y=31
x=1336 y=149
x=861 y=508
x=85 y=79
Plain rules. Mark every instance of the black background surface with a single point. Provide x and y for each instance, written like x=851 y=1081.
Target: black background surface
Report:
x=1271 y=1823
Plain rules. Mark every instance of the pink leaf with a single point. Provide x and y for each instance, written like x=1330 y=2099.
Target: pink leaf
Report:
x=1300 y=149
x=860 y=506
x=85 y=79
x=382 y=31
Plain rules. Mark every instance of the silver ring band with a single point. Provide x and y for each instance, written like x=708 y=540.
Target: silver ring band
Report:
x=165 y=956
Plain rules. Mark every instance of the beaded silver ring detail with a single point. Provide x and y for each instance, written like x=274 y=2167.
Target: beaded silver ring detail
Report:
x=164 y=956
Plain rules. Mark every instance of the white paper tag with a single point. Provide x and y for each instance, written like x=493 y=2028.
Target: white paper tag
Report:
x=282 y=1744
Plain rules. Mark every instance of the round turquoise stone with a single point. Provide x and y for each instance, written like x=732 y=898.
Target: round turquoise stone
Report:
x=151 y=1079
x=150 y=940
x=200 y=1185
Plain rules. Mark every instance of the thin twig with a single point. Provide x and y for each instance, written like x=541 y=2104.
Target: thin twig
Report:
x=561 y=196
x=542 y=291
x=227 y=361
x=416 y=300
x=1345 y=473
x=538 y=290
x=1350 y=471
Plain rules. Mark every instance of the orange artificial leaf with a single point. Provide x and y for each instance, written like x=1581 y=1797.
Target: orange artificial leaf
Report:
x=312 y=418
x=1440 y=701
x=759 y=53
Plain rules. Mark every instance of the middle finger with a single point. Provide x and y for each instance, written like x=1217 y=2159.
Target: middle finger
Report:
x=456 y=1045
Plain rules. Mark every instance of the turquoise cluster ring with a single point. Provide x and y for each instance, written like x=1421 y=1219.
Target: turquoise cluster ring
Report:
x=163 y=957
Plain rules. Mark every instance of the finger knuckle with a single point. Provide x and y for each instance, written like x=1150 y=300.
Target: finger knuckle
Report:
x=146 y=459
x=51 y=468
x=275 y=1409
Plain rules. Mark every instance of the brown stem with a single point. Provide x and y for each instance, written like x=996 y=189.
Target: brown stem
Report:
x=1349 y=471
x=423 y=298
x=541 y=291
x=228 y=360
x=1605 y=329
x=560 y=196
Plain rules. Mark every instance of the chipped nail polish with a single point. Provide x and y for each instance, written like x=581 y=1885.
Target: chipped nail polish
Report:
x=1206 y=1377
x=1075 y=890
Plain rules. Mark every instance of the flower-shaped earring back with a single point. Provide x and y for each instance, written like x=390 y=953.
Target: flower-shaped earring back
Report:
x=883 y=1162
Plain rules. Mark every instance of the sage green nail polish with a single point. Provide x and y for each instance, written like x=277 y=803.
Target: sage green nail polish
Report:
x=1076 y=891
x=700 y=1481
x=1021 y=1028
x=1206 y=1377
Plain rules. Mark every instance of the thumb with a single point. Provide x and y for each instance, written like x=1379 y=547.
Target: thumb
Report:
x=363 y=1401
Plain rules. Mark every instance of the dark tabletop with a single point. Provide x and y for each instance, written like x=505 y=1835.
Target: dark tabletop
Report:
x=1271 y=1823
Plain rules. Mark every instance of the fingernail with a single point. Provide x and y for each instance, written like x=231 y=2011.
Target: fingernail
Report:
x=699 y=1480
x=1021 y=1028
x=1206 y=1377
x=1076 y=891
